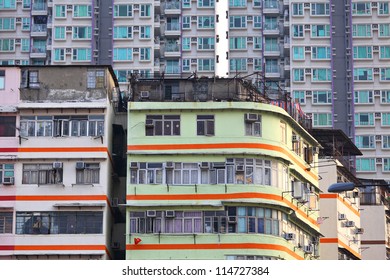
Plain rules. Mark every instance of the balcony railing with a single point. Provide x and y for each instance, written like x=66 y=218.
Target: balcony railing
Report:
x=172 y=48
x=172 y=5
x=39 y=7
x=173 y=26
x=39 y=28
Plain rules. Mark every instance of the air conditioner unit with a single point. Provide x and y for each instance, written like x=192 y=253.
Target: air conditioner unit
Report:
x=144 y=94
x=248 y=18
x=149 y=123
x=134 y=165
x=18 y=19
x=80 y=165
x=378 y=137
x=375 y=48
x=194 y=18
x=307 y=49
x=170 y=214
x=307 y=70
x=194 y=39
x=151 y=213
x=289 y=236
x=376 y=70
x=69 y=7
x=249 y=39
x=308 y=249
x=375 y=26
x=135 y=28
x=8 y=180
x=307 y=26
x=135 y=50
x=296 y=138
x=69 y=28
x=377 y=115
x=298 y=190
x=374 y=4
x=68 y=50
x=136 y=6
x=378 y=160
x=359 y=231
x=308 y=93
x=349 y=223
x=232 y=219
x=306 y=5
x=240 y=168
x=342 y=216
x=17 y=41
x=251 y=117
x=169 y=164
x=204 y=165
x=57 y=165
x=377 y=92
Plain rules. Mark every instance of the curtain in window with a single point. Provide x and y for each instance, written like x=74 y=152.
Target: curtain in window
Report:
x=82 y=10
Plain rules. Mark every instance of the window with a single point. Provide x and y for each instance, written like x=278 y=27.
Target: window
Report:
x=205 y=3
x=82 y=32
x=362 y=74
x=41 y=174
x=385 y=96
x=186 y=4
x=297 y=31
x=271 y=45
x=364 y=119
x=186 y=22
x=60 y=11
x=82 y=11
x=384 y=52
x=361 y=8
x=299 y=96
x=252 y=124
x=123 y=10
x=25 y=45
x=59 y=55
x=205 y=125
x=81 y=54
x=362 y=52
x=237 y=43
x=363 y=97
x=167 y=125
x=322 y=119
x=7 y=24
x=6 y=222
x=121 y=75
x=206 y=64
x=26 y=24
x=7 y=4
x=59 y=33
x=186 y=65
x=319 y=9
x=237 y=3
x=299 y=75
x=322 y=97
x=145 y=10
x=297 y=9
x=6 y=172
x=123 y=54
x=271 y=23
x=59 y=222
x=144 y=54
x=237 y=21
x=206 y=22
x=96 y=79
x=365 y=141
x=320 y=53
x=386 y=164
x=172 y=66
x=145 y=32
x=2 y=82
x=298 y=53
x=283 y=132
x=186 y=43
x=361 y=30
x=26 y=4
x=7 y=45
x=257 y=21
x=383 y=8
x=257 y=43
x=123 y=32
x=320 y=30
x=238 y=64
x=89 y=174
x=365 y=164
x=321 y=74
x=385 y=119
x=384 y=30
x=257 y=64
x=385 y=74
x=386 y=141
x=205 y=43
x=272 y=66
x=257 y=3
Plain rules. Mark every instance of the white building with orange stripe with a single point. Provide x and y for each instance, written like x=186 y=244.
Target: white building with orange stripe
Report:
x=220 y=179
x=59 y=203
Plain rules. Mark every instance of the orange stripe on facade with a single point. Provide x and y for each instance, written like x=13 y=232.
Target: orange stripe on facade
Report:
x=247 y=195
x=165 y=147
x=328 y=195
x=235 y=246
x=342 y=244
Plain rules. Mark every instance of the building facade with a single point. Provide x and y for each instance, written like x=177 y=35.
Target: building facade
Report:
x=218 y=179
x=57 y=165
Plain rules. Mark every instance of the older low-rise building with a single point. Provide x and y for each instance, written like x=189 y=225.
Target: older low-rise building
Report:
x=226 y=178
x=59 y=202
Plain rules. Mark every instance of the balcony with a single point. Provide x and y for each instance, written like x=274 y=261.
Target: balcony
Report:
x=172 y=29
x=39 y=30
x=172 y=8
x=272 y=71
x=172 y=50
x=271 y=7
x=39 y=9
x=272 y=50
x=271 y=29
x=38 y=52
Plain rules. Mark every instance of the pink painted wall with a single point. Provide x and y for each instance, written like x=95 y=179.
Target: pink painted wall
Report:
x=10 y=95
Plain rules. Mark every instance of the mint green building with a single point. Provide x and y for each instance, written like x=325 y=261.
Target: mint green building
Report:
x=219 y=179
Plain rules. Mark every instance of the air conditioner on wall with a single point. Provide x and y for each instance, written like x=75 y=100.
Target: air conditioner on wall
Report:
x=8 y=180
x=289 y=236
x=80 y=165
x=170 y=214
x=151 y=213
x=57 y=165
